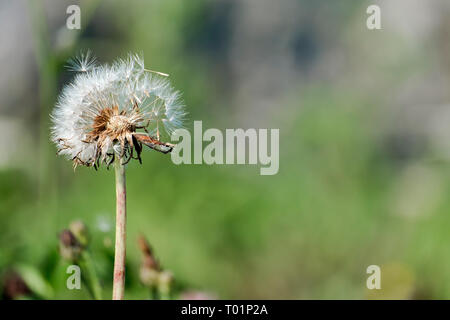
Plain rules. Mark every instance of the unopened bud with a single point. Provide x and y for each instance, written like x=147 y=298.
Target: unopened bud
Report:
x=149 y=271
x=69 y=247
x=148 y=259
x=149 y=277
x=80 y=231
x=14 y=287
x=165 y=281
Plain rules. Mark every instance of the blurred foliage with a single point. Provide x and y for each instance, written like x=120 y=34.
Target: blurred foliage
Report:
x=345 y=197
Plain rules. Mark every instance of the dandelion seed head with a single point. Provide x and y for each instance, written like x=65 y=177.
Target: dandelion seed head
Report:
x=98 y=114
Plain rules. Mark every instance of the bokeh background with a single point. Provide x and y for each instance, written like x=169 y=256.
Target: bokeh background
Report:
x=364 y=147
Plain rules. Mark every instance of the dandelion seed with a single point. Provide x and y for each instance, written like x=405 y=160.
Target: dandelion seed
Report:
x=84 y=62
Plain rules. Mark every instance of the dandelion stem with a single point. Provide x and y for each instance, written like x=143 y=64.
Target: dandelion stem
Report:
x=120 y=248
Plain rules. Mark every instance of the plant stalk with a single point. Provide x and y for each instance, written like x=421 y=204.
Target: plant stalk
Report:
x=121 y=217
x=93 y=283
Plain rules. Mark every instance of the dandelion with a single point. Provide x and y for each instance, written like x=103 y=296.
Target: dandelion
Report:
x=106 y=115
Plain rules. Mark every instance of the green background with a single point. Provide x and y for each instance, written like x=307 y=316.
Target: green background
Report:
x=364 y=169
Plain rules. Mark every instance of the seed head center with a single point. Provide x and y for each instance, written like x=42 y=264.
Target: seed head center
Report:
x=119 y=123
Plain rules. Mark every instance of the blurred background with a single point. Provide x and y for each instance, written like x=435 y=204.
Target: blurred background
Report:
x=364 y=148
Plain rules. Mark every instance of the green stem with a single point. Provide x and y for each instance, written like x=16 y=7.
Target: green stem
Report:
x=120 y=247
x=92 y=278
x=154 y=293
x=47 y=66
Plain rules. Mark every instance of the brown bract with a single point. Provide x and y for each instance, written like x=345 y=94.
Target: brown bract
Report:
x=112 y=125
x=119 y=127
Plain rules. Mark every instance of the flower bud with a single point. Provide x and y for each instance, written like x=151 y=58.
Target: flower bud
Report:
x=14 y=287
x=165 y=281
x=69 y=247
x=149 y=271
x=79 y=230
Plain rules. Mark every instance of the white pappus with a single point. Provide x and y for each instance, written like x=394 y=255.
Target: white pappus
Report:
x=98 y=115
